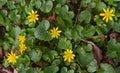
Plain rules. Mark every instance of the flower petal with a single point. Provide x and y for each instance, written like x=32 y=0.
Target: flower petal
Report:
x=110 y=18
x=104 y=9
x=102 y=14
x=106 y=19
x=112 y=15
x=111 y=10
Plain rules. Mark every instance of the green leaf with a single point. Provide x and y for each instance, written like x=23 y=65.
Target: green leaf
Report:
x=117 y=0
x=1 y=19
x=92 y=67
x=22 y=2
x=57 y=61
x=83 y=57
x=7 y=23
x=85 y=16
x=38 y=4
x=31 y=39
x=32 y=25
x=32 y=2
x=117 y=60
x=60 y=22
x=72 y=33
x=5 y=63
x=35 y=55
x=100 y=6
x=50 y=56
x=27 y=60
x=111 y=1
x=10 y=4
x=112 y=54
x=84 y=3
x=113 y=45
x=118 y=69
x=61 y=10
x=92 y=4
x=47 y=6
x=34 y=70
x=97 y=19
x=51 y=69
x=22 y=60
x=45 y=23
x=4 y=12
x=88 y=48
x=13 y=15
x=63 y=70
x=64 y=44
x=61 y=1
x=3 y=2
x=17 y=31
x=6 y=45
x=113 y=50
x=116 y=27
x=22 y=71
x=88 y=30
x=15 y=45
x=42 y=34
x=69 y=15
x=68 y=33
x=46 y=57
x=79 y=30
x=71 y=71
x=106 y=68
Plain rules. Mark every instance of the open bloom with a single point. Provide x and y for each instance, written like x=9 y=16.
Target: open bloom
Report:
x=32 y=16
x=12 y=57
x=21 y=39
x=107 y=15
x=55 y=32
x=22 y=47
x=68 y=55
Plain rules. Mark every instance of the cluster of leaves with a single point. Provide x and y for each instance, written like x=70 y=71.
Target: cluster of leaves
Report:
x=78 y=20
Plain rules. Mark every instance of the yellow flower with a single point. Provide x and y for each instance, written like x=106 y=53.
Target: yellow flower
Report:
x=55 y=32
x=22 y=47
x=32 y=16
x=107 y=15
x=68 y=55
x=21 y=39
x=12 y=57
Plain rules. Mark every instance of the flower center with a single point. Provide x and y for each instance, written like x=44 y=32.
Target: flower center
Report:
x=108 y=14
x=55 y=33
x=69 y=55
x=33 y=16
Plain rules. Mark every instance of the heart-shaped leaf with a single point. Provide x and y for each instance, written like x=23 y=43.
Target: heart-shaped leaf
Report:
x=51 y=69
x=41 y=33
x=46 y=7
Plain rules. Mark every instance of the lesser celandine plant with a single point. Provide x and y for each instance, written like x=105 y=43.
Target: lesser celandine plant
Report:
x=55 y=33
x=60 y=36
x=22 y=46
x=108 y=14
x=32 y=16
x=68 y=55
x=12 y=57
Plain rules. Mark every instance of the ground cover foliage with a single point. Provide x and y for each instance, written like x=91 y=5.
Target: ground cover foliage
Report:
x=60 y=36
